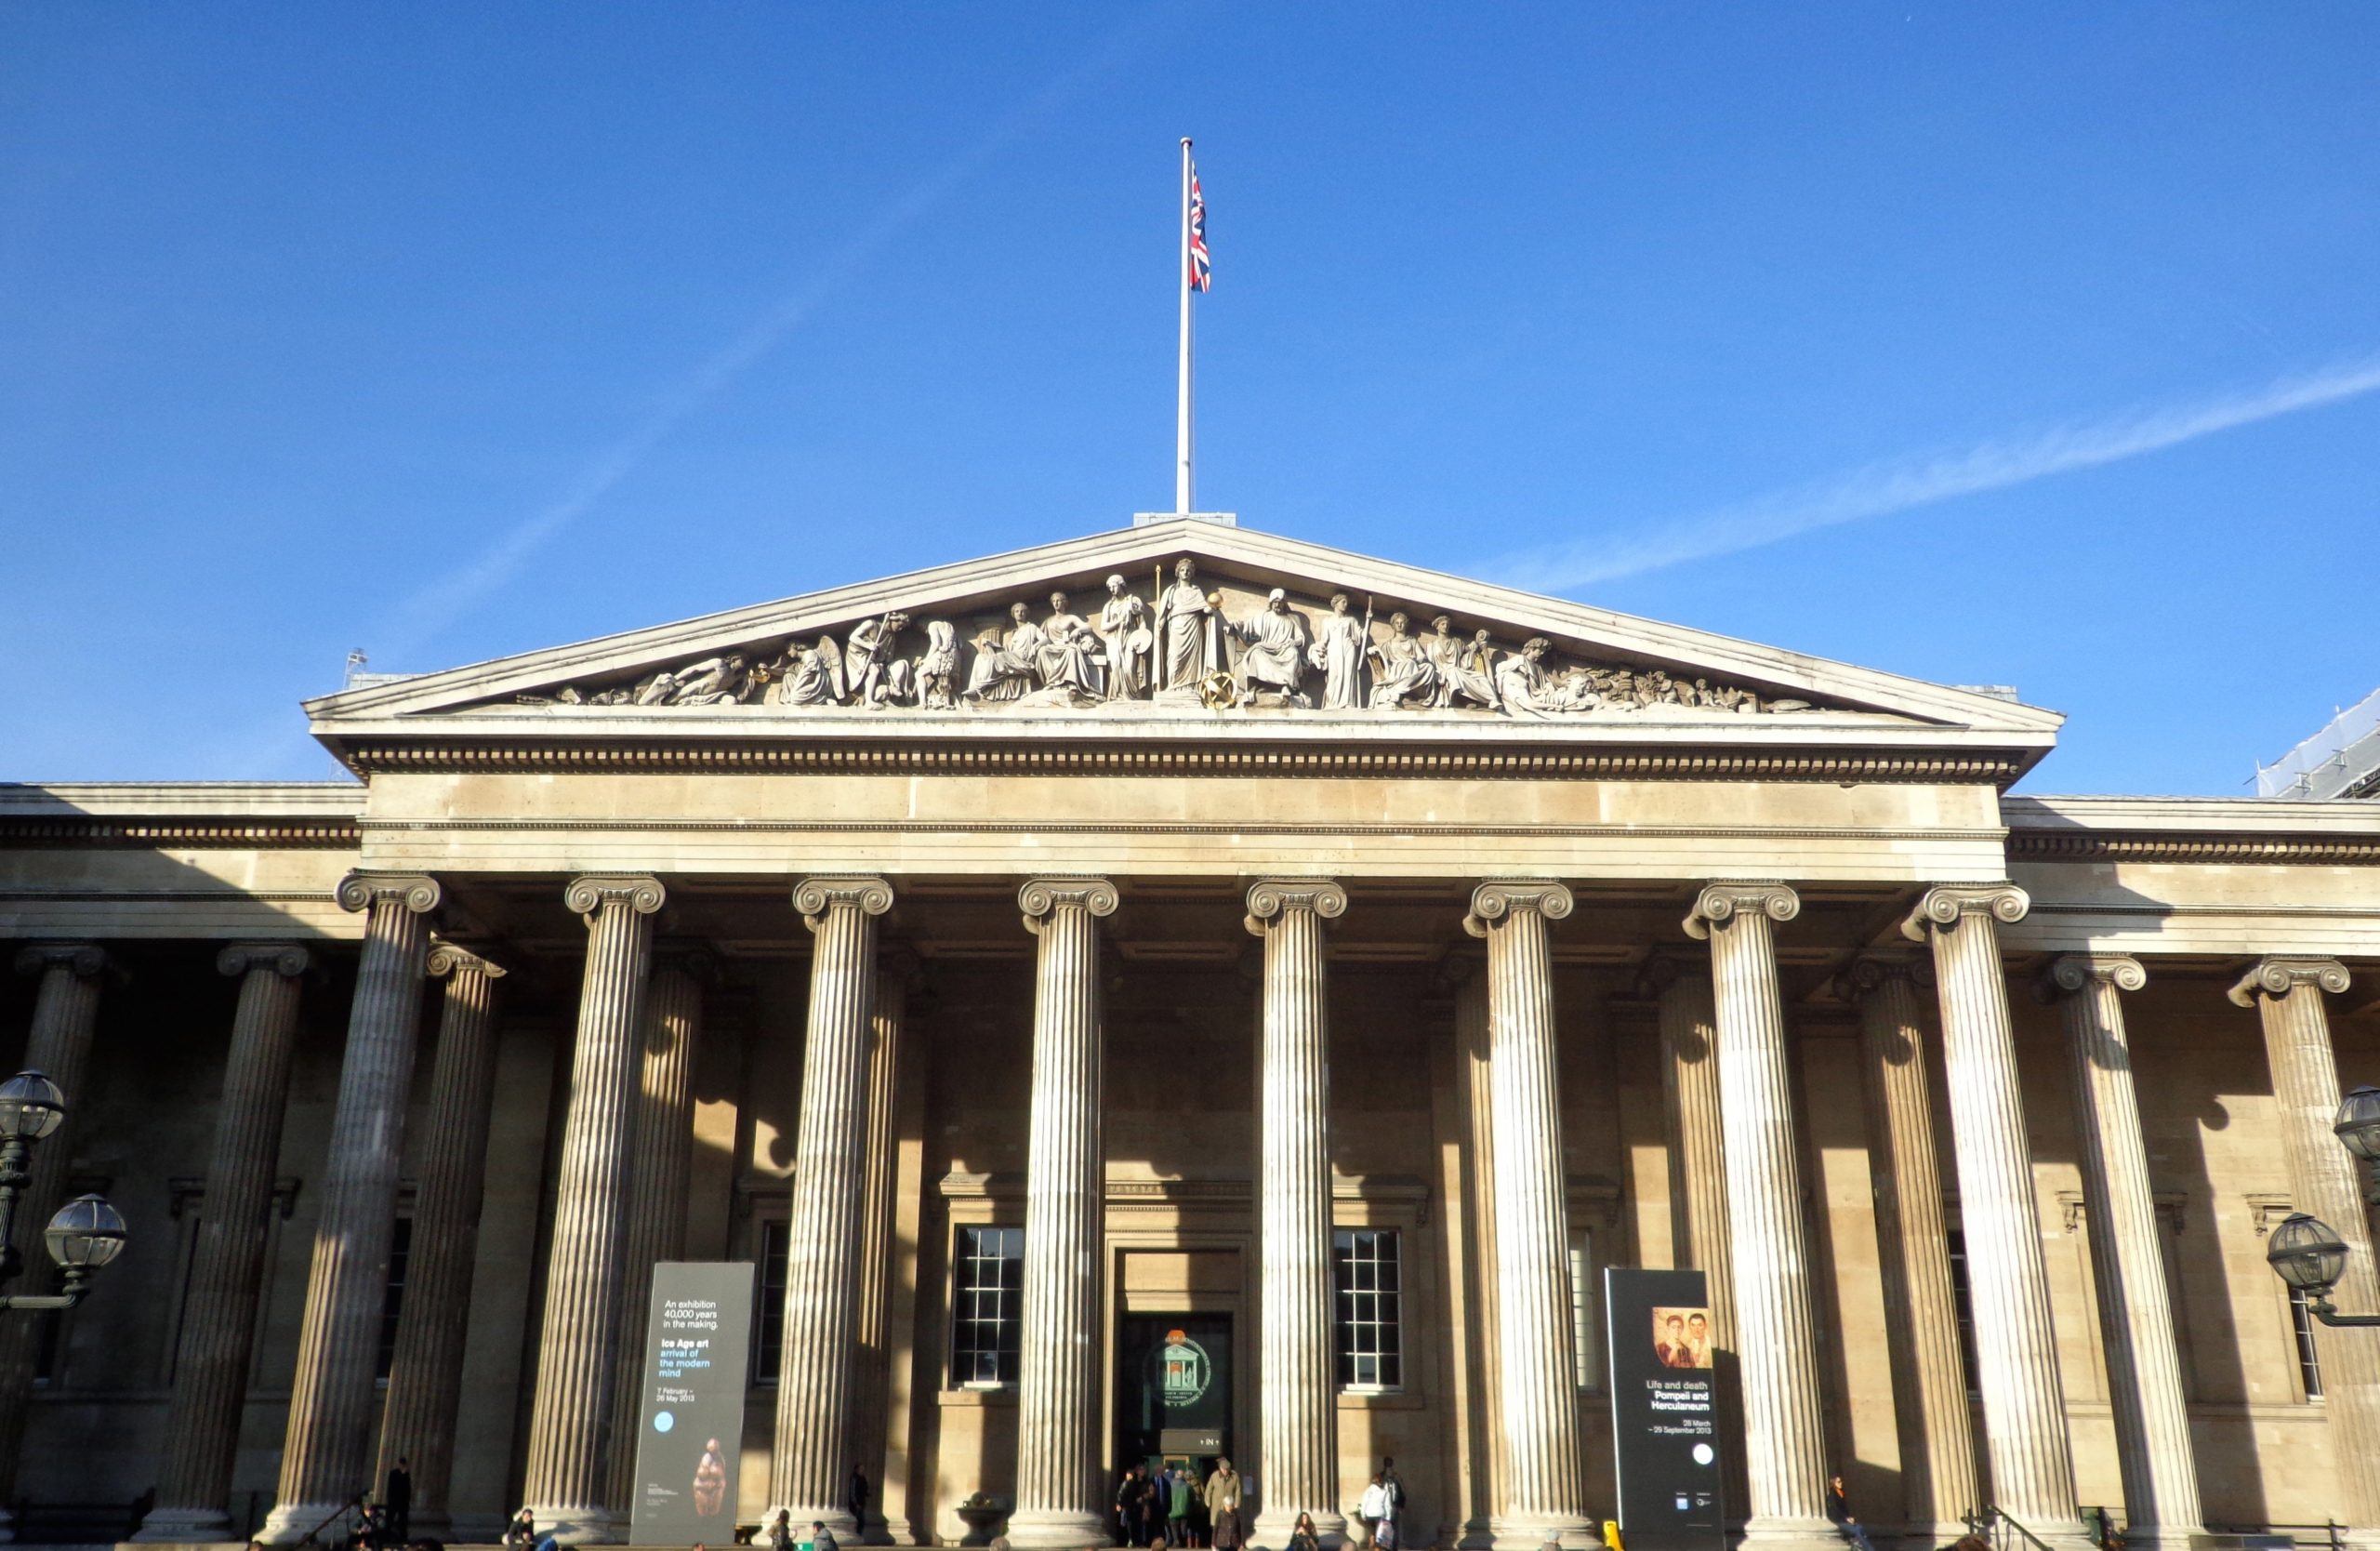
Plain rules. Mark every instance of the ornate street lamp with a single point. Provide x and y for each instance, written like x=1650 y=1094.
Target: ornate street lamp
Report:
x=2303 y=1253
x=85 y=1234
x=2358 y=1125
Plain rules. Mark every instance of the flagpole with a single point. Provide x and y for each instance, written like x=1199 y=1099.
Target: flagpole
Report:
x=1182 y=284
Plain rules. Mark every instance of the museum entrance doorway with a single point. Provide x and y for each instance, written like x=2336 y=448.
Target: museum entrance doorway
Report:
x=1173 y=1375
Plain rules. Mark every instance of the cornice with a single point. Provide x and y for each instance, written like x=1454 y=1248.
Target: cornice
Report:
x=331 y=833
x=2069 y=845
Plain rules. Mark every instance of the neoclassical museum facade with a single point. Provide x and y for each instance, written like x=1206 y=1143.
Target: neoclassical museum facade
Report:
x=1189 y=939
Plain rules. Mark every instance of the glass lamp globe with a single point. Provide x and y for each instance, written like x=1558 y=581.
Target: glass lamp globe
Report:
x=2308 y=1255
x=31 y=1107
x=87 y=1232
x=2358 y=1122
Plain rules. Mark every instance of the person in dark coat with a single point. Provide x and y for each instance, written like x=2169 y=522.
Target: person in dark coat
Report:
x=1838 y=1508
x=399 y=1523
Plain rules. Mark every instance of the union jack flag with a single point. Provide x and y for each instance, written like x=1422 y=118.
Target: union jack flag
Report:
x=1200 y=274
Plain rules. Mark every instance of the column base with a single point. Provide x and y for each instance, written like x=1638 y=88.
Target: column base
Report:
x=290 y=1523
x=187 y=1526
x=1272 y=1528
x=1531 y=1531
x=1777 y=1532
x=1039 y=1529
x=577 y=1523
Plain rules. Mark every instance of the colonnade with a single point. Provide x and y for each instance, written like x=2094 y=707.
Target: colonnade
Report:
x=627 y=1135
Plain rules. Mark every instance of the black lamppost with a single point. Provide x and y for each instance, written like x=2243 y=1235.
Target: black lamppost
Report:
x=2303 y=1251
x=85 y=1234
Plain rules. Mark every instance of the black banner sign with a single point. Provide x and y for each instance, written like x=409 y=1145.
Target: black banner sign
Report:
x=690 y=1447
x=1664 y=1411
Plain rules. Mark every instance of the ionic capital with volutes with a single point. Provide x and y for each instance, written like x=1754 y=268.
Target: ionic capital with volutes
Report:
x=447 y=959
x=639 y=892
x=1945 y=904
x=815 y=898
x=288 y=960
x=1721 y=903
x=86 y=960
x=1501 y=898
x=1870 y=972
x=1269 y=898
x=2070 y=972
x=1043 y=897
x=2282 y=974
x=361 y=891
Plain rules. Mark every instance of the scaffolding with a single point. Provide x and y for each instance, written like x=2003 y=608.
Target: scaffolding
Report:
x=2342 y=760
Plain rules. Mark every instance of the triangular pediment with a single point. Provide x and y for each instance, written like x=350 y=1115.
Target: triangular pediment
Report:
x=983 y=644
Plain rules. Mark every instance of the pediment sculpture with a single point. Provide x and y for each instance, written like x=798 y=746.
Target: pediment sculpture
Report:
x=1189 y=645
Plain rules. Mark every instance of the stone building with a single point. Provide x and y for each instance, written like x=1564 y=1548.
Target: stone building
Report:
x=1189 y=963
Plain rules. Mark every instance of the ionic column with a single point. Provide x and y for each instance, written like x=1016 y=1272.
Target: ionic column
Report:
x=227 y=1268
x=326 y=1454
x=663 y=1151
x=1785 y=1464
x=896 y=973
x=567 y=1476
x=2136 y=1309
x=1698 y=1150
x=2287 y=995
x=1491 y=1484
x=2024 y=1404
x=1921 y=1308
x=426 y=1369
x=813 y=1457
x=1297 y=1394
x=1059 y=1498
x=1537 y=1359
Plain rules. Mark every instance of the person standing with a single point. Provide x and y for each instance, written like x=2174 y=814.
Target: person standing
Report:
x=400 y=1502
x=780 y=1535
x=1838 y=1508
x=1379 y=1515
x=1127 y=1507
x=1223 y=1505
x=1177 y=1506
x=855 y=1499
x=1395 y=1485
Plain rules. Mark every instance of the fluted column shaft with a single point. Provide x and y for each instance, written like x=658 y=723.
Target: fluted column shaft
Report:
x=2136 y=1309
x=426 y=1369
x=1059 y=1498
x=869 y=1421
x=66 y=1011
x=1536 y=1354
x=1775 y=1334
x=2287 y=994
x=326 y=1454
x=1698 y=1236
x=813 y=1457
x=1474 y=1039
x=227 y=1266
x=1936 y=1432
x=2024 y=1404
x=567 y=1475
x=663 y=1151
x=1296 y=1393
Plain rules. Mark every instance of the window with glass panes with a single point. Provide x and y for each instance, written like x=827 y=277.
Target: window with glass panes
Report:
x=392 y=1299
x=1371 y=1308
x=768 y=1316
x=2301 y=1328
x=1962 y=1300
x=987 y=1268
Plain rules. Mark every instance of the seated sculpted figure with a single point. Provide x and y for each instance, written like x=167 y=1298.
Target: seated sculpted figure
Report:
x=1403 y=676
x=1275 y=658
x=1529 y=689
x=1006 y=666
x=1068 y=658
x=1461 y=675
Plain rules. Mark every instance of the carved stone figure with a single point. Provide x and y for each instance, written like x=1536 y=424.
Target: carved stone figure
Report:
x=1529 y=689
x=1338 y=650
x=1126 y=638
x=1403 y=676
x=713 y=682
x=876 y=677
x=1005 y=667
x=1067 y=657
x=937 y=670
x=1277 y=641
x=813 y=675
x=1184 y=617
x=1459 y=676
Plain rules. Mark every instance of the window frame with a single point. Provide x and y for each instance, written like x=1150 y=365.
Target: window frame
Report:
x=1007 y=1322
x=1345 y=1240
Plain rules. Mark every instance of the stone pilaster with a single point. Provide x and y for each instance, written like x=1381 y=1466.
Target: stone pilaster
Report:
x=812 y=1460
x=2287 y=995
x=326 y=1454
x=1936 y=1432
x=1785 y=1461
x=870 y=1420
x=663 y=1151
x=567 y=1478
x=1297 y=1394
x=2024 y=1403
x=227 y=1267
x=1546 y=1481
x=1474 y=1050
x=426 y=1369
x=1060 y=1498
x=2135 y=1307
x=66 y=1010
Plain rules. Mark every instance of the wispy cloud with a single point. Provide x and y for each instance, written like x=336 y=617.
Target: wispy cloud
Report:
x=1901 y=485
x=456 y=591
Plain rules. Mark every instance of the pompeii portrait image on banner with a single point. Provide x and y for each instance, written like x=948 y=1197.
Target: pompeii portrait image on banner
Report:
x=1682 y=1336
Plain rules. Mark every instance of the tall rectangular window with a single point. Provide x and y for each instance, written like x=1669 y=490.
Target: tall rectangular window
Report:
x=392 y=1298
x=1371 y=1308
x=1963 y=1298
x=768 y=1319
x=986 y=1302
x=1584 y=1337
x=2301 y=1328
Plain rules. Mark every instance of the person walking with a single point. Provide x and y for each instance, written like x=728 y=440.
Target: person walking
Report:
x=781 y=1532
x=399 y=1526
x=1223 y=1505
x=1377 y=1511
x=1127 y=1507
x=1395 y=1485
x=1846 y=1523
x=1177 y=1506
x=821 y=1537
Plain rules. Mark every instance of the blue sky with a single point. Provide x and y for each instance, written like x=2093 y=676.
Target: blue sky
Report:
x=2022 y=345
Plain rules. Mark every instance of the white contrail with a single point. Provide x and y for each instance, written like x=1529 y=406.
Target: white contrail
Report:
x=1898 y=485
x=438 y=602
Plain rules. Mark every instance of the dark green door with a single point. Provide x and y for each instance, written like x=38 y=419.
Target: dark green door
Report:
x=1173 y=1390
